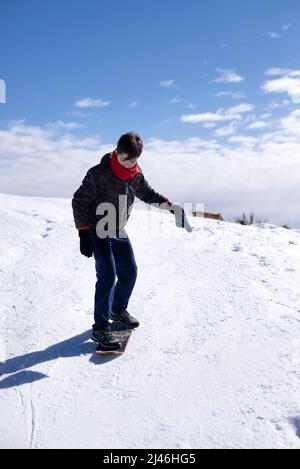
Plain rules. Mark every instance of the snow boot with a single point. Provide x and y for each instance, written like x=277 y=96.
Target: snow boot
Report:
x=105 y=338
x=125 y=319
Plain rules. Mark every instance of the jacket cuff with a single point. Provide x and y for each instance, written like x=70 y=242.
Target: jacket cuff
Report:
x=168 y=202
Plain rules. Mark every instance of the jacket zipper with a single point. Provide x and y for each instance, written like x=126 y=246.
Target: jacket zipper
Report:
x=125 y=205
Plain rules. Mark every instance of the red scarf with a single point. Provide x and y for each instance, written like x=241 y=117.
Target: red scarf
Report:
x=120 y=171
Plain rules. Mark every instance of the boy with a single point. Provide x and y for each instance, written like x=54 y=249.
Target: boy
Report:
x=101 y=208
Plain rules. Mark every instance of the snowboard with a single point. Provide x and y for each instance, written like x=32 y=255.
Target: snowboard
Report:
x=123 y=336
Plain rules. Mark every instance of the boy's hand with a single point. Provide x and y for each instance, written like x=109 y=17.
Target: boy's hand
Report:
x=165 y=206
x=181 y=219
x=86 y=243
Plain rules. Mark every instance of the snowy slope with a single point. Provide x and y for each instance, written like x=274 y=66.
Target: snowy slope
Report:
x=214 y=364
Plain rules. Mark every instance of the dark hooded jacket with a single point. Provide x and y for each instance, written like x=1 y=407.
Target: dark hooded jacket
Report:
x=101 y=185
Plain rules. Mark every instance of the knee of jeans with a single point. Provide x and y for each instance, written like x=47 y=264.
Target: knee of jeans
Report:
x=106 y=278
x=129 y=275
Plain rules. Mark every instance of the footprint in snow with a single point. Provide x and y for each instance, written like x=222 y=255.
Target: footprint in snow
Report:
x=263 y=261
x=49 y=228
x=34 y=213
x=236 y=247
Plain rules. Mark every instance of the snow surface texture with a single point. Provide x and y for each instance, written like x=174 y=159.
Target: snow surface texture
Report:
x=214 y=364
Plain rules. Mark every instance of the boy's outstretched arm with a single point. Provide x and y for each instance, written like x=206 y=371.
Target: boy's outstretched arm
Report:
x=150 y=196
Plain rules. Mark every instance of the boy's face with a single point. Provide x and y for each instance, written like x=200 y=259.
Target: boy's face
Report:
x=122 y=159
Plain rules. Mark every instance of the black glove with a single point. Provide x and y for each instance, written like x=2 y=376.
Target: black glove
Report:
x=181 y=219
x=86 y=243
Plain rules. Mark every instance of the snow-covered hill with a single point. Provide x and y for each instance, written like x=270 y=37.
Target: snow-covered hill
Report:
x=214 y=364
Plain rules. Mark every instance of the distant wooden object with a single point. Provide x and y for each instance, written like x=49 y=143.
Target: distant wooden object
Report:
x=214 y=216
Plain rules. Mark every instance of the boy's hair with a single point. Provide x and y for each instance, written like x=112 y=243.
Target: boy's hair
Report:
x=131 y=144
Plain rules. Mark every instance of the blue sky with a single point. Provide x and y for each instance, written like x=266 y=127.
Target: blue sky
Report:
x=54 y=53
x=221 y=71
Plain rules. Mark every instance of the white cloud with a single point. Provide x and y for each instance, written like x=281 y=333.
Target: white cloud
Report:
x=265 y=116
x=43 y=161
x=272 y=34
x=276 y=71
x=228 y=76
x=2 y=91
x=64 y=125
x=289 y=83
x=257 y=125
x=227 y=130
x=133 y=104
x=175 y=100
x=244 y=140
x=288 y=72
x=259 y=174
x=232 y=113
x=291 y=124
x=278 y=104
x=167 y=83
x=275 y=35
x=204 y=117
x=89 y=102
x=241 y=174
x=232 y=94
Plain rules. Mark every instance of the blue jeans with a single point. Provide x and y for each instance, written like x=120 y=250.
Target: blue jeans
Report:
x=114 y=257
